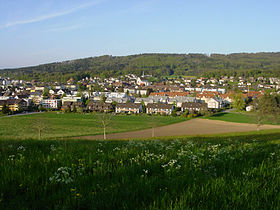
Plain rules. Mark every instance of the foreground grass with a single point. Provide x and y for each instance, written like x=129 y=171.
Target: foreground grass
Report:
x=64 y=125
x=229 y=172
x=242 y=117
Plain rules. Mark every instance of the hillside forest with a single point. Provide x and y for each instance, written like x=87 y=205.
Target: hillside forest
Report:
x=158 y=65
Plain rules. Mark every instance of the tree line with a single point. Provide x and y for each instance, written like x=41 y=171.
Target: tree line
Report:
x=156 y=64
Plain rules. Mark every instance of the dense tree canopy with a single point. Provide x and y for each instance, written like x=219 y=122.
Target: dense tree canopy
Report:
x=243 y=64
x=238 y=102
x=268 y=107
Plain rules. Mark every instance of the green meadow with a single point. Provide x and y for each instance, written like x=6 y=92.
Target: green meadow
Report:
x=227 y=172
x=242 y=117
x=57 y=124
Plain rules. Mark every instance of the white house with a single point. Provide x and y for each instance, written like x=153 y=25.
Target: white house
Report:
x=118 y=100
x=142 y=81
x=116 y=95
x=51 y=103
x=39 y=88
x=179 y=100
x=60 y=92
x=159 y=108
x=71 y=99
x=142 y=92
x=129 y=108
x=131 y=90
x=213 y=103
x=146 y=101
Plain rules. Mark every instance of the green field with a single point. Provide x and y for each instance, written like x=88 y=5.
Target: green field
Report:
x=242 y=117
x=58 y=124
x=229 y=172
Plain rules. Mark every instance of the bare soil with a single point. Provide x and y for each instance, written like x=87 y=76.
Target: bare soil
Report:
x=190 y=127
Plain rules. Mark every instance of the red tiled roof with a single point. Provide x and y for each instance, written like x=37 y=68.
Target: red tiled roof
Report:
x=207 y=95
x=170 y=94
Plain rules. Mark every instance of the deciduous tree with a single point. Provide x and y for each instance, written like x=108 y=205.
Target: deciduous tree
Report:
x=267 y=108
x=238 y=102
x=105 y=119
x=40 y=124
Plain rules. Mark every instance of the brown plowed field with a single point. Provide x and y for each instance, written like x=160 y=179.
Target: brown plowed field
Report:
x=190 y=127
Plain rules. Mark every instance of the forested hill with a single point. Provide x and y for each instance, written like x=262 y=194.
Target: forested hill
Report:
x=155 y=64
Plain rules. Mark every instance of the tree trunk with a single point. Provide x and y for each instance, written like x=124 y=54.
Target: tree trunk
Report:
x=104 y=132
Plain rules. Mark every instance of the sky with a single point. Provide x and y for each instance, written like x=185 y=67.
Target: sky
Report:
x=34 y=32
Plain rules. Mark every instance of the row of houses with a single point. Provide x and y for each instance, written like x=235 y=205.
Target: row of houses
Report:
x=135 y=108
x=178 y=101
x=214 y=100
x=163 y=109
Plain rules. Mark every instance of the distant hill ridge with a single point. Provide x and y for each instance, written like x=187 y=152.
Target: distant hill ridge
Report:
x=155 y=64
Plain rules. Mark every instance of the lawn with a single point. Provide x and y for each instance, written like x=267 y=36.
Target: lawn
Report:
x=70 y=124
x=242 y=117
x=228 y=172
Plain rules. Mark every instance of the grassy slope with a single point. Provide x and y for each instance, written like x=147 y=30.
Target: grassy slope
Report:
x=238 y=117
x=236 y=172
x=62 y=125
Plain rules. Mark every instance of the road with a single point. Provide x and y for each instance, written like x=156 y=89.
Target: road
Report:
x=21 y=114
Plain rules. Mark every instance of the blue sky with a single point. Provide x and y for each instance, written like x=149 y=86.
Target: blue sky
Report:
x=40 y=31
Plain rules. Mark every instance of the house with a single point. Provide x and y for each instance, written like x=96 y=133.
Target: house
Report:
x=207 y=94
x=117 y=100
x=129 y=108
x=116 y=95
x=14 y=104
x=72 y=105
x=179 y=100
x=3 y=98
x=21 y=96
x=39 y=89
x=130 y=90
x=176 y=89
x=144 y=100
x=5 y=81
x=142 y=92
x=71 y=99
x=97 y=96
x=36 y=97
x=227 y=97
x=99 y=107
x=60 y=92
x=52 y=92
x=213 y=103
x=170 y=94
x=163 y=109
x=69 y=87
x=51 y=103
x=193 y=106
x=142 y=81
x=159 y=99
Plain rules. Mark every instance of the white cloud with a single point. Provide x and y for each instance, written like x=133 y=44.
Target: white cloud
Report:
x=50 y=16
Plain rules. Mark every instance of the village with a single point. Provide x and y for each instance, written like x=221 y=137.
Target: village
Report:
x=133 y=94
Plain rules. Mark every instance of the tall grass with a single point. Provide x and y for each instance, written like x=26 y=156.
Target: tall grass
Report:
x=235 y=172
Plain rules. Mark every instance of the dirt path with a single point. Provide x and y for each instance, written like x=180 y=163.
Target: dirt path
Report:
x=191 y=127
